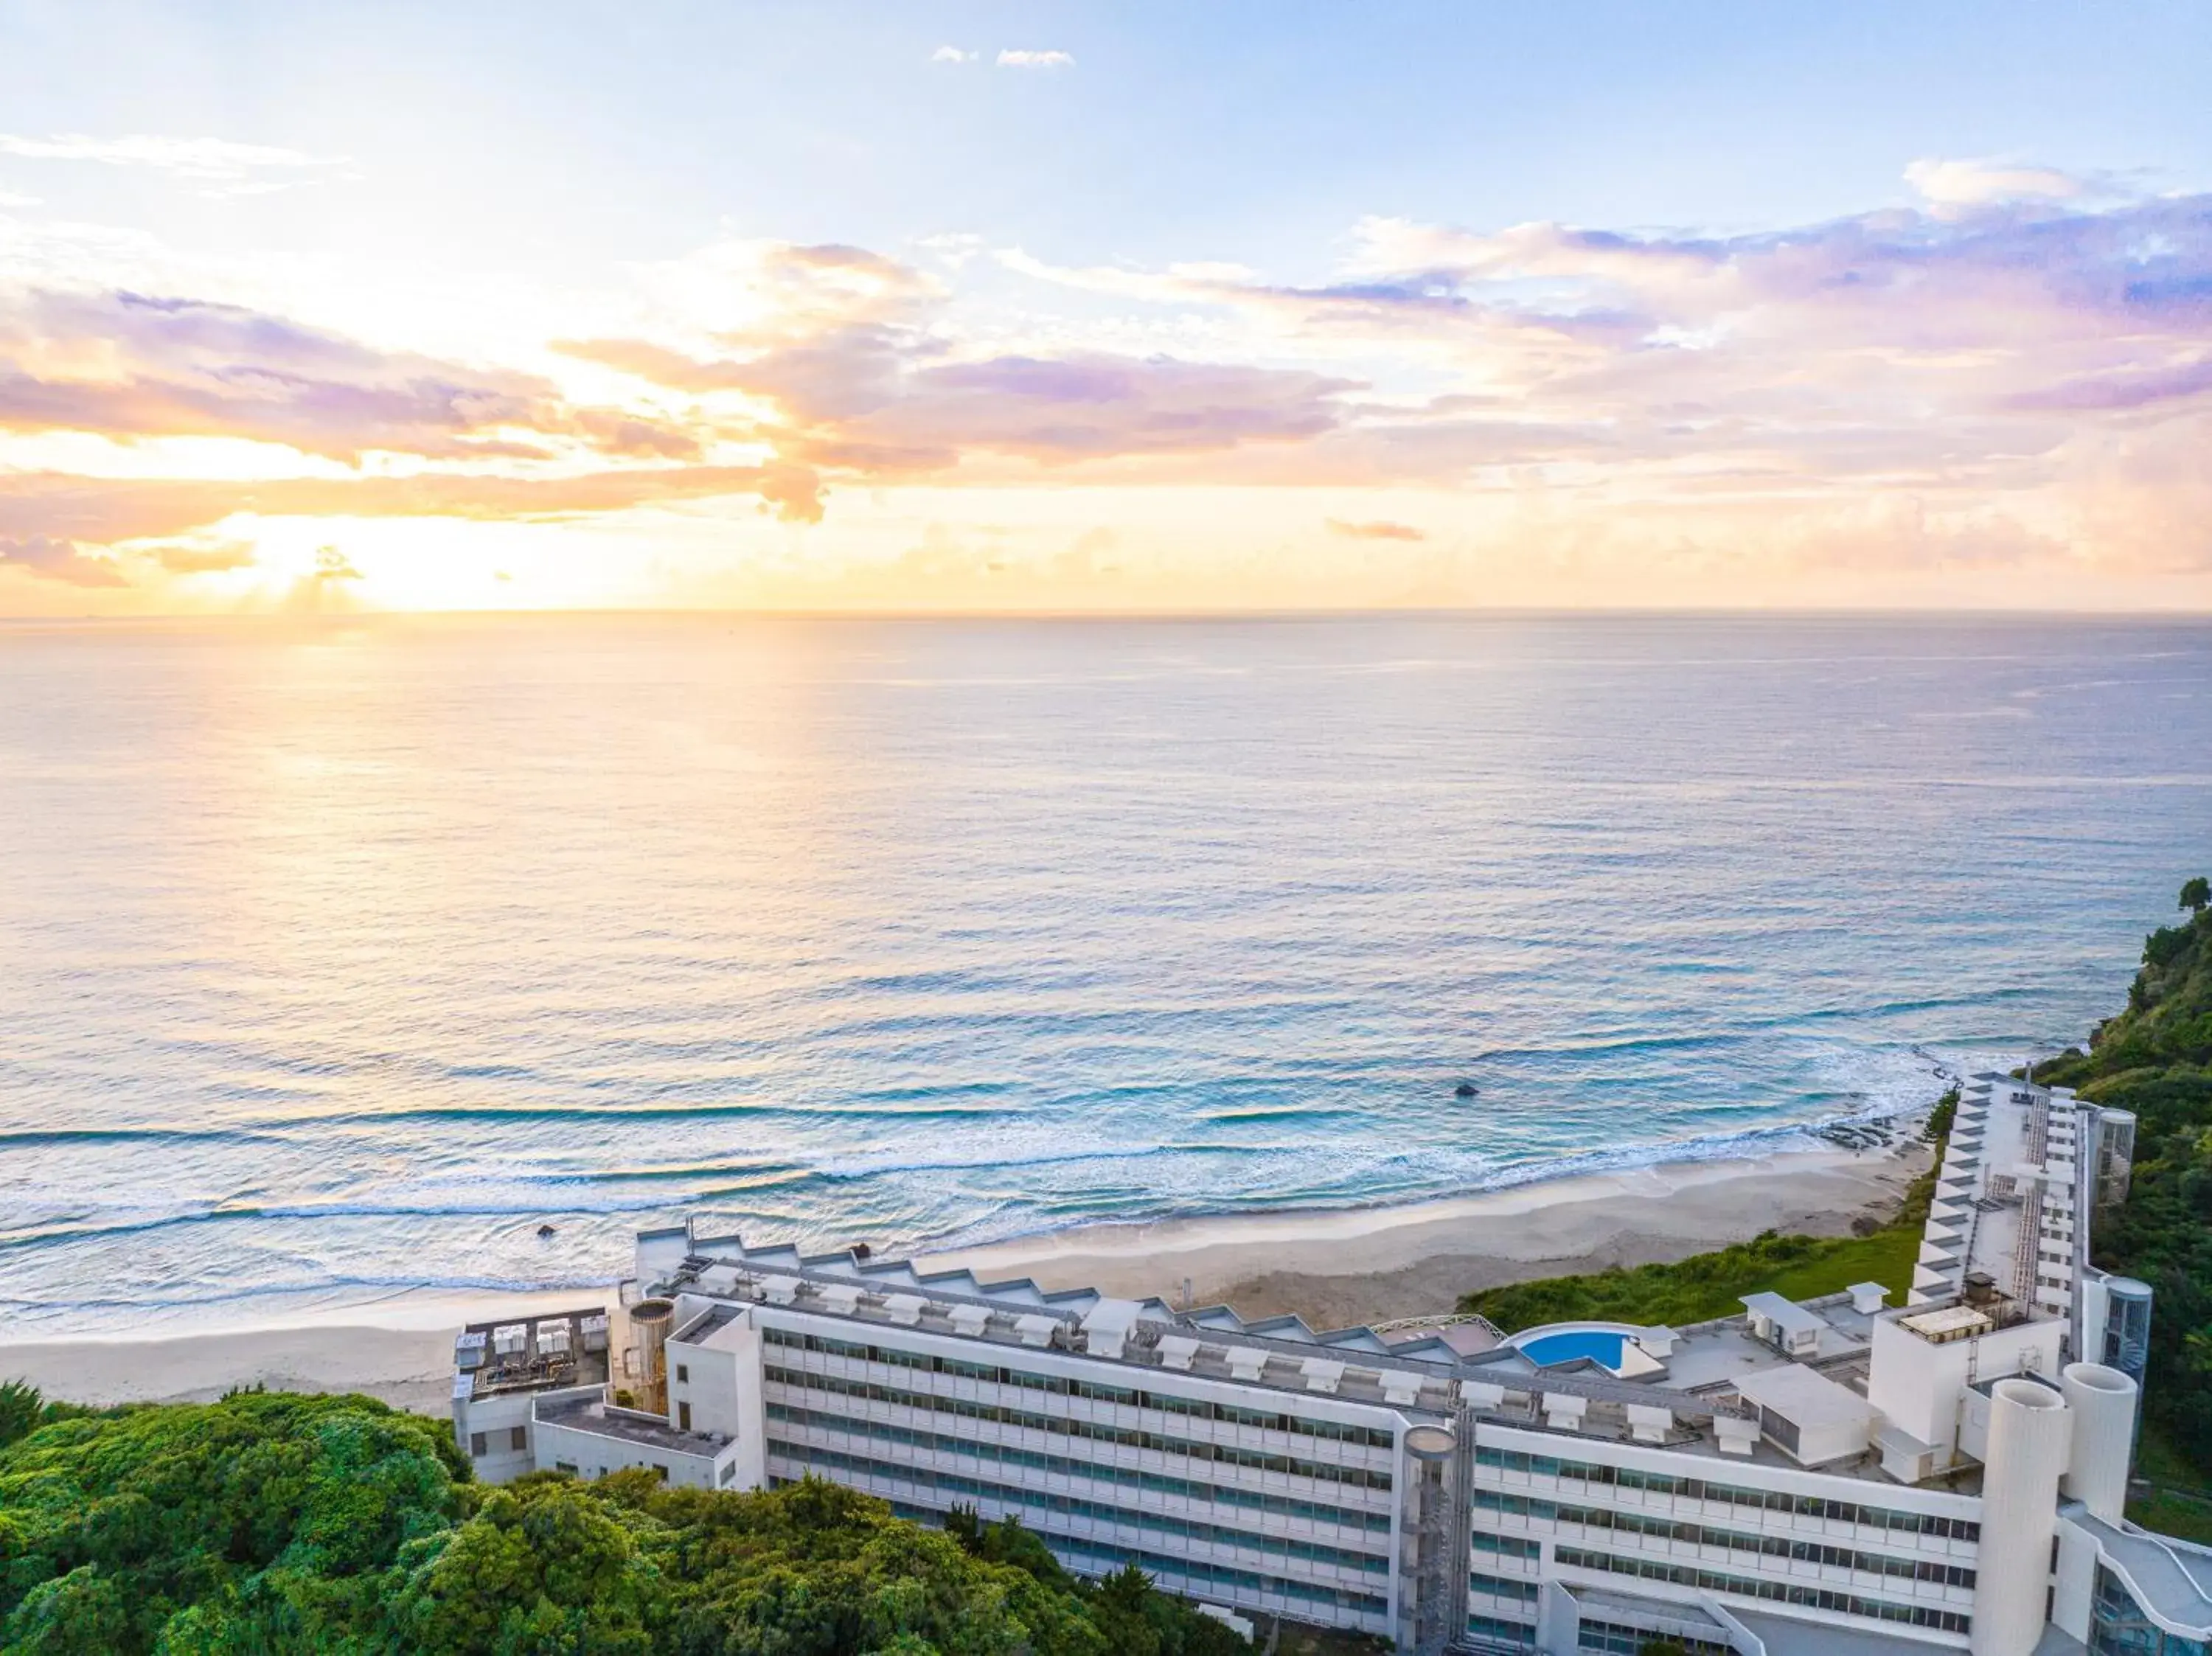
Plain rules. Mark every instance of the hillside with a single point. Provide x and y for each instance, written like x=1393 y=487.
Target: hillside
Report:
x=279 y=1524
x=2155 y=1059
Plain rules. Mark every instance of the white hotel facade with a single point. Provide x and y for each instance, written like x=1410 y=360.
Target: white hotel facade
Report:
x=1839 y=1478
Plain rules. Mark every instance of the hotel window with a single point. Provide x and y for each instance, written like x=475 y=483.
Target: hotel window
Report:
x=683 y=1416
x=477 y=1446
x=684 y=1373
x=517 y=1437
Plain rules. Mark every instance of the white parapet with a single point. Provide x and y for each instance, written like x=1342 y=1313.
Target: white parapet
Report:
x=2030 y=1436
x=2103 y=1402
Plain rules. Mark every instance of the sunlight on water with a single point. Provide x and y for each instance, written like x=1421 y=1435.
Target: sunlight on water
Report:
x=341 y=960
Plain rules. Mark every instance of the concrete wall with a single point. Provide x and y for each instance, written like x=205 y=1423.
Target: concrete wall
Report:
x=497 y=1418
x=595 y=1455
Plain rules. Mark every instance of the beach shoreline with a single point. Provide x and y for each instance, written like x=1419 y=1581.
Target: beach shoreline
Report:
x=1335 y=1267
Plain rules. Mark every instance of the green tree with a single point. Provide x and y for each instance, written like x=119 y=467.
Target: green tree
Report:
x=2196 y=894
x=265 y=1524
x=2155 y=1058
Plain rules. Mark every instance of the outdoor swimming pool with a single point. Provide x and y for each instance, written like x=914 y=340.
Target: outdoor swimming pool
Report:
x=1600 y=1345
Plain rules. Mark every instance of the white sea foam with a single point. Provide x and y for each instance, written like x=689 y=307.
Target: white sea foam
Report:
x=328 y=972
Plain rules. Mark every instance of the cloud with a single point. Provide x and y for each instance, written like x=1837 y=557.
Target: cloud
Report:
x=1379 y=530
x=1986 y=182
x=98 y=511
x=220 y=166
x=874 y=399
x=1015 y=59
x=132 y=365
x=2005 y=377
x=858 y=376
x=952 y=55
x=57 y=559
x=200 y=558
x=9 y=198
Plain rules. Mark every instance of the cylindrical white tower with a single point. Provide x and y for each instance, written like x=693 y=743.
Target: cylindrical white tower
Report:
x=2103 y=1403
x=2030 y=1436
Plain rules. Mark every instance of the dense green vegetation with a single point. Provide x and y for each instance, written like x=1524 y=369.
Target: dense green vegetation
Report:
x=2155 y=1059
x=1709 y=1285
x=269 y=1523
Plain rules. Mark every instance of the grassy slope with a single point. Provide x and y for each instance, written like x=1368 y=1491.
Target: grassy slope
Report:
x=1709 y=1285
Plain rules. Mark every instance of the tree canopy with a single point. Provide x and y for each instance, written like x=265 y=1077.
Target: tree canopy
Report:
x=271 y=1523
x=2155 y=1059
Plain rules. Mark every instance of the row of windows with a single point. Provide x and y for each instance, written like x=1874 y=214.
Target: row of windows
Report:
x=1704 y=1535
x=1219 y=1494
x=1193 y=1572
x=1618 y=1639
x=1503 y=1586
x=1507 y=1546
x=1129 y=1437
x=1370 y=1437
x=1519 y=1633
x=1186 y=1529
x=1696 y=1488
x=1782 y=1592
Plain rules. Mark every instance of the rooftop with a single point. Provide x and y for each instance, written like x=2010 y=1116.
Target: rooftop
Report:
x=2006 y=1198
x=594 y=1414
x=1703 y=1377
x=559 y=1348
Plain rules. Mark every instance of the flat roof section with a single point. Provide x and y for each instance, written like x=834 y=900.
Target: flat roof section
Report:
x=602 y=1419
x=1804 y=1398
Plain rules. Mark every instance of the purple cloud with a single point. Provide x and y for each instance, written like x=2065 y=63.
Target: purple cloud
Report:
x=129 y=365
x=57 y=559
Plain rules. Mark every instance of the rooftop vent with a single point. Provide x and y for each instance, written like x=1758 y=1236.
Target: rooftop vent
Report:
x=1400 y=1387
x=1036 y=1331
x=1322 y=1374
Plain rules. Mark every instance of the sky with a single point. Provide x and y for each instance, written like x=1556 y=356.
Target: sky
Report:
x=1193 y=306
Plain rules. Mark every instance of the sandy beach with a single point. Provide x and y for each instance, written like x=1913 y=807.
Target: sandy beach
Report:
x=1333 y=1268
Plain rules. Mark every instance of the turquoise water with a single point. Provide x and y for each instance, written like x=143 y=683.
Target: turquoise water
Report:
x=1598 y=1346
x=337 y=962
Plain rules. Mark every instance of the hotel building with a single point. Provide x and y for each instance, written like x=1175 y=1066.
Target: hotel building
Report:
x=1839 y=1478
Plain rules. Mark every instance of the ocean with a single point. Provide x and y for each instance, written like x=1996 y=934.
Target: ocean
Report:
x=336 y=959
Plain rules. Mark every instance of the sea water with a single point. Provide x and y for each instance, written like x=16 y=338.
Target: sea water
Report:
x=337 y=960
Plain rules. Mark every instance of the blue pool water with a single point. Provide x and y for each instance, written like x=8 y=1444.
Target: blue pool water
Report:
x=1595 y=1344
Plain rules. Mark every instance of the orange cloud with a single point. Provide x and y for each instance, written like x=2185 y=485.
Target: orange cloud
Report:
x=1381 y=529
